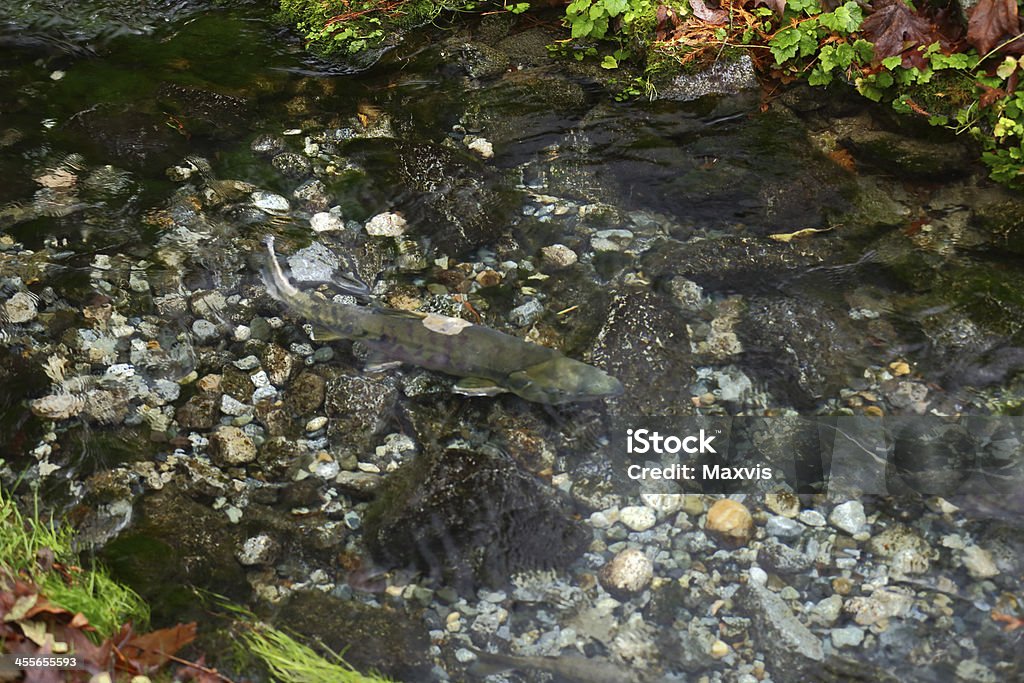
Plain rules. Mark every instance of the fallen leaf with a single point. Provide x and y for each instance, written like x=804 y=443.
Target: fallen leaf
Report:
x=893 y=27
x=990 y=95
x=21 y=607
x=712 y=16
x=992 y=22
x=666 y=23
x=843 y=159
x=790 y=236
x=151 y=650
x=36 y=632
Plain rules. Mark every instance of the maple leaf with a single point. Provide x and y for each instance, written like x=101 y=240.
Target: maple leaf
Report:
x=991 y=22
x=893 y=27
x=712 y=16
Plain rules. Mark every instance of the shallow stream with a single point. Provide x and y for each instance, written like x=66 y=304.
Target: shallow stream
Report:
x=742 y=268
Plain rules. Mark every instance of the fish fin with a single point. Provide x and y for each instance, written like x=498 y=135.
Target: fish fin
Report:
x=478 y=386
x=399 y=313
x=323 y=334
x=376 y=366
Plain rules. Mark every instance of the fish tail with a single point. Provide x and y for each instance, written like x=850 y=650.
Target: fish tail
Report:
x=488 y=664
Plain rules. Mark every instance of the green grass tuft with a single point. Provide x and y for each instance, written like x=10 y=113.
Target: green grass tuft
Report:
x=105 y=603
x=290 y=661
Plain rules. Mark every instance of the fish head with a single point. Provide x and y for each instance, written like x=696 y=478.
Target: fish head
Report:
x=562 y=380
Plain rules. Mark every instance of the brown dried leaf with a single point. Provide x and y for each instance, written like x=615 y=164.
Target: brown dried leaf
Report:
x=151 y=650
x=666 y=24
x=712 y=16
x=990 y=95
x=894 y=27
x=991 y=22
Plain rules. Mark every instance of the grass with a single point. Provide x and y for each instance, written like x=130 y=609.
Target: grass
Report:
x=290 y=661
x=104 y=602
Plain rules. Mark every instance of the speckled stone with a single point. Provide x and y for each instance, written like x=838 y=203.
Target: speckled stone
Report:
x=230 y=446
x=638 y=517
x=627 y=573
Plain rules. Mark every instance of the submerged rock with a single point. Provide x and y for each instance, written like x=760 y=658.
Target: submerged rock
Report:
x=472 y=518
x=644 y=343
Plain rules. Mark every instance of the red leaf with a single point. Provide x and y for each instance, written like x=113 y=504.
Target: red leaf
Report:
x=992 y=22
x=712 y=16
x=894 y=27
x=151 y=650
x=990 y=95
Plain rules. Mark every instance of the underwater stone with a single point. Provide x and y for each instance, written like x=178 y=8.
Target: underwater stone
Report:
x=526 y=314
x=20 y=308
x=271 y=203
x=471 y=517
x=326 y=222
x=849 y=517
x=204 y=330
x=292 y=165
x=258 y=550
x=627 y=574
x=559 y=256
x=386 y=225
x=230 y=446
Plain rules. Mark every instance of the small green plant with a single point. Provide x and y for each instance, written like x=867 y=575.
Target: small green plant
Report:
x=290 y=661
x=25 y=540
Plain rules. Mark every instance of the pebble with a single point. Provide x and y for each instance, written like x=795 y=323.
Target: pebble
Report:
x=638 y=517
x=849 y=636
x=611 y=240
x=353 y=520
x=204 y=330
x=271 y=203
x=664 y=504
x=20 y=308
x=849 y=517
x=232 y=406
x=758 y=576
x=256 y=550
x=526 y=314
x=783 y=527
x=979 y=562
x=812 y=518
x=719 y=649
x=247 y=363
x=783 y=503
x=386 y=225
x=242 y=333
x=879 y=606
x=628 y=573
x=731 y=521
x=316 y=424
x=559 y=256
x=230 y=446
x=826 y=612
x=481 y=146
x=326 y=222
